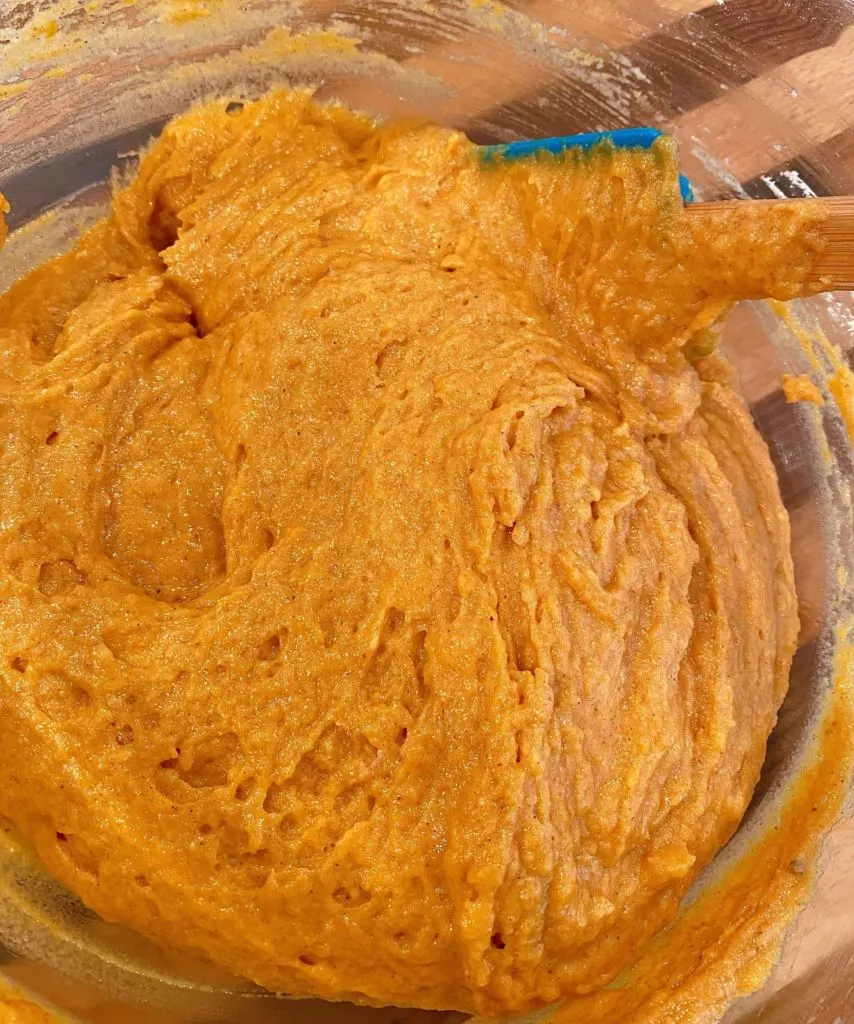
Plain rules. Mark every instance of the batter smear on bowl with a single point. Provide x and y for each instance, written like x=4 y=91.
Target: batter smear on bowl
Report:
x=396 y=594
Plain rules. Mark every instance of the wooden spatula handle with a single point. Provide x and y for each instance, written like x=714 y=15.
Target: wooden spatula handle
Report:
x=833 y=268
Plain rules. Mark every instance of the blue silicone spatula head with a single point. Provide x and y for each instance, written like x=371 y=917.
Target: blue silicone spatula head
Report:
x=622 y=138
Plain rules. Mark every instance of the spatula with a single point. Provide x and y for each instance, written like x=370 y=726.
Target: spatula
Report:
x=834 y=266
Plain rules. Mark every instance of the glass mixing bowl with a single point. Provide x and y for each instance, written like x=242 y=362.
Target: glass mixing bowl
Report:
x=760 y=94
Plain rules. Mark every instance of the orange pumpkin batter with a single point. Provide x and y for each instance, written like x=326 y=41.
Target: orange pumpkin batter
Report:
x=395 y=597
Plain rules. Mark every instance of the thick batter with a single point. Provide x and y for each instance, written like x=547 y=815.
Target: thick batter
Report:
x=396 y=596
